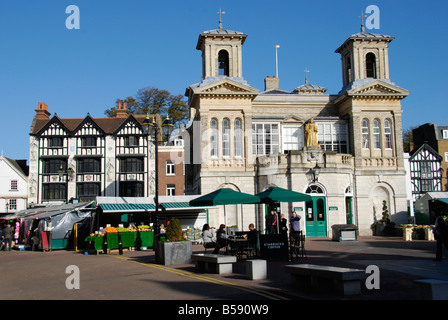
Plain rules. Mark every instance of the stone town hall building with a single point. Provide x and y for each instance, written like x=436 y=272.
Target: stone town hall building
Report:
x=251 y=140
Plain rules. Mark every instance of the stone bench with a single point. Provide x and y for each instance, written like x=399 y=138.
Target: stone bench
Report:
x=432 y=289
x=342 y=281
x=213 y=263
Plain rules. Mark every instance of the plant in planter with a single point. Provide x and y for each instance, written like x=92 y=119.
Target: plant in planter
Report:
x=383 y=227
x=175 y=250
x=174 y=231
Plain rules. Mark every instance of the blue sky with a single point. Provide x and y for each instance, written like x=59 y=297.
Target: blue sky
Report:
x=123 y=46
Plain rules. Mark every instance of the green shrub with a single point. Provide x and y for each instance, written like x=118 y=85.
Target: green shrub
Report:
x=174 y=230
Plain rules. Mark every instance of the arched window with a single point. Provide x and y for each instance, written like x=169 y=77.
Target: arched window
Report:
x=226 y=138
x=238 y=138
x=348 y=69
x=388 y=134
x=365 y=134
x=223 y=63
x=376 y=134
x=214 y=138
x=315 y=189
x=371 y=65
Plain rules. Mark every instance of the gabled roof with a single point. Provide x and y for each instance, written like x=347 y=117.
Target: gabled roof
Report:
x=15 y=166
x=372 y=88
x=425 y=147
x=309 y=88
x=107 y=125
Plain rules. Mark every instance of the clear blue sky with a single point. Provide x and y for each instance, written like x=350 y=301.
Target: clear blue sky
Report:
x=123 y=46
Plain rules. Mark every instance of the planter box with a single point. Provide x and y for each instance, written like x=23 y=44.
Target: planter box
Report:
x=384 y=230
x=168 y=253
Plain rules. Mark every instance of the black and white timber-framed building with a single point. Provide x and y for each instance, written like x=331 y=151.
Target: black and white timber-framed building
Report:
x=82 y=158
x=426 y=171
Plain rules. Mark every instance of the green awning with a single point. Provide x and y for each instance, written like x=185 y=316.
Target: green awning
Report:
x=224 y=196
x=180 y=206
x=276 y=194
x=126 y=207
x=443 y=200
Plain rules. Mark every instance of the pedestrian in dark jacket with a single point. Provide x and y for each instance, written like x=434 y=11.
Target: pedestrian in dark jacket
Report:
x=7 y=236
x=441 y=235
x=272 y=222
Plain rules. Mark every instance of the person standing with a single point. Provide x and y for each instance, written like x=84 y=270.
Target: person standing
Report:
x=272 y=222
x=7 y=235
x=283 y=224
x=441 y=235
x=295 y=225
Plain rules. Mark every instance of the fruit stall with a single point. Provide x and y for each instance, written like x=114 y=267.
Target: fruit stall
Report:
x=138 y=237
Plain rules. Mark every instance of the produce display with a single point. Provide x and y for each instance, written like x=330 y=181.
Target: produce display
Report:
x=111 y=230
x=131 y=237
x=132 y=228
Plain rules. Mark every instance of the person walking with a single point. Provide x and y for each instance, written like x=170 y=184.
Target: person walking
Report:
x=441 y=235
x=7 y=235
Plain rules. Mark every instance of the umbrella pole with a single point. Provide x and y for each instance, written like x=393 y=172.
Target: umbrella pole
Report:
x=242 y=217
x=225 y=224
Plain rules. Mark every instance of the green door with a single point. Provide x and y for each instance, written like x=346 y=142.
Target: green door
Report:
x=316 y=218
x=348 y=210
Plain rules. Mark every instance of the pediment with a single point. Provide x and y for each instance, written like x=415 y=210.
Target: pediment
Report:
x=379 y=88
x=292 y=119
x=226 y=86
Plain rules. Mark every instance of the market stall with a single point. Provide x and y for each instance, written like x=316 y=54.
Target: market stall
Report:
x=52 y=226
x=140 y=237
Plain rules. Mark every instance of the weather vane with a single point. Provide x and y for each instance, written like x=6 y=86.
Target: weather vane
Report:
x=306 y=75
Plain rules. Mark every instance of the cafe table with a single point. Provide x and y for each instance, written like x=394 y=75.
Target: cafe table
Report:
x=237 y=246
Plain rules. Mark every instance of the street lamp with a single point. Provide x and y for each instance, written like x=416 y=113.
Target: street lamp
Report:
x=167 y=127
x=313 y=174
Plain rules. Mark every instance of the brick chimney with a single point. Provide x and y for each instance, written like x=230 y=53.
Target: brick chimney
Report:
x=122 y=111
x=42 y=111
x=271 y=83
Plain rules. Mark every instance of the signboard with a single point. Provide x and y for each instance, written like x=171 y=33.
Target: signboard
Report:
x=274 y=246
x=333 y=208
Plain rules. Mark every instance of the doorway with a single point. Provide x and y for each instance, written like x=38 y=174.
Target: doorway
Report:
x=316 y=217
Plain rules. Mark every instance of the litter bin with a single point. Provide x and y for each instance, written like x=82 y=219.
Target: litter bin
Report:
x=345 y=232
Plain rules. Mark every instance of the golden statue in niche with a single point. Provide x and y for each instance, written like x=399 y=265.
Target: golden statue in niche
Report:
x=311 y=134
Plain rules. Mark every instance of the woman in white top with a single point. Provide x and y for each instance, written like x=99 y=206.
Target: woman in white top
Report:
x=207 y=237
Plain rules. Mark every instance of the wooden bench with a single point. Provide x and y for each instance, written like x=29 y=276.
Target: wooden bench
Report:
x=342 y=281
x=213 y=263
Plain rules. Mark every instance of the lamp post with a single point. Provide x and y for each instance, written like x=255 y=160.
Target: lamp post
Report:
x=167 y=127
x=313 y=174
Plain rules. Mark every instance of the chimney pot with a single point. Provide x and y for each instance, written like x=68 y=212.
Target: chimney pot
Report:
x=271 y=83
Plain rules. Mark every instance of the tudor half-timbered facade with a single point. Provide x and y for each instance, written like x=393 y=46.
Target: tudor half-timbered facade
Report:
x=88 y=157
x=425 y=170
